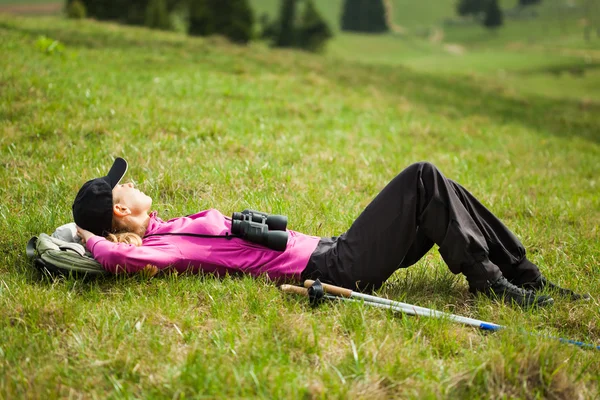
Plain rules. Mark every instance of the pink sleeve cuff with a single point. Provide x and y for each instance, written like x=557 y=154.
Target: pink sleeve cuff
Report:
x=91 y=242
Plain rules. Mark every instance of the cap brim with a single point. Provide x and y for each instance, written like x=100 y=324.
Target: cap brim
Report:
x=117 y=171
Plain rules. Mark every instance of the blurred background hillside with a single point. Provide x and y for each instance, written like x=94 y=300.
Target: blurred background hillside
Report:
x=549 y=47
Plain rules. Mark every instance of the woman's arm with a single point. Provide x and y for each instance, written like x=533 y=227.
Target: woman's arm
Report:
x=83 y=234
x=121 y=257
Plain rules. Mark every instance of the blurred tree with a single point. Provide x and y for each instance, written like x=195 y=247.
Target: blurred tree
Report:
x=99 y=9
x=286 y=35
x=351 y=14
x=135 y=11
x=313 y=31
x=470 y=7
x=124 y=11
x=309 y=31
x=75 y=9
x=201 y=21
x=364 y=16
x=376 y=16
x=157 y=15
x=231 y=18
x=268 y=29
x=529 y=2
x=493 y=15
x=118 y=10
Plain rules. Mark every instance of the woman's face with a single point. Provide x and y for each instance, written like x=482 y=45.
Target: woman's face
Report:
x=127 y=195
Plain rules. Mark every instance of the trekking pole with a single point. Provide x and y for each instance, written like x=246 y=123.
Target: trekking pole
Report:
x=411 y=310
x=399 y=306
x=316 y=291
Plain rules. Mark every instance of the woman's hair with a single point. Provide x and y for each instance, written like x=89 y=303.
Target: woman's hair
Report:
x=136 y=240
x=126 y=234
x=125 y=237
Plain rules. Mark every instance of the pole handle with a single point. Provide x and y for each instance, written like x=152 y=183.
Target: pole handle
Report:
x=294 y=289
x=331 y=289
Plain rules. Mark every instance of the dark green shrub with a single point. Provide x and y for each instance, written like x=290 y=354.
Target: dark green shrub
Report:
x=76 y=10
x=268 y=29
x=157 y=15
x=493 y=15
x=234 y=19
x=231 y=18
x=135 y=12
x=108 y=9
x=286 y=36
x=125 y=11
x=201 y=21
x=470 y=7
x=308 y=31
x=364 y=16
x=529 y=2
x=313 y=31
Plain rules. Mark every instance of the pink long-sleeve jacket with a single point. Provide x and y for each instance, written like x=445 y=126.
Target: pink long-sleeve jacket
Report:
x=213 y=255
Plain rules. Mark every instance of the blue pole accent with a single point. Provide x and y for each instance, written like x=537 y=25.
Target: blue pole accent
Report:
x=486 y=326
x=583 y=345
x=576 y=343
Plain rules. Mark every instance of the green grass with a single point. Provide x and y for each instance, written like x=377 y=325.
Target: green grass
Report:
x=207 y=124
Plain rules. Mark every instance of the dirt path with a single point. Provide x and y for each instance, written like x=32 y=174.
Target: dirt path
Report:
x=32 y=9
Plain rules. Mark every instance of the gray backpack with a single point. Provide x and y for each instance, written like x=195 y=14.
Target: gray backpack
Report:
x=62 y=255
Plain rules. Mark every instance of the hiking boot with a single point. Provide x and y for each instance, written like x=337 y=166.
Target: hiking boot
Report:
x=511 y=294
x=542 y=283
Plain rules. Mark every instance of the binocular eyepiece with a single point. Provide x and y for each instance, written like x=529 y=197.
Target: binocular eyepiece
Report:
x=261 y=228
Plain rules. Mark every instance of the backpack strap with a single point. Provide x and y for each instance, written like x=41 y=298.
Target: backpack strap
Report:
x=30 y=249
x=74 y=247
x=34 y=256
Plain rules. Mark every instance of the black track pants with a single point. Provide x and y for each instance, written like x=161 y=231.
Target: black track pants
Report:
x=419 y=208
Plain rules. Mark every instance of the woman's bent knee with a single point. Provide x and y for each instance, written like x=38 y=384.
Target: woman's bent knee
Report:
x=424 y=166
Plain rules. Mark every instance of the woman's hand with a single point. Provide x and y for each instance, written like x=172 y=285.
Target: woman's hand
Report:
x=84 y=235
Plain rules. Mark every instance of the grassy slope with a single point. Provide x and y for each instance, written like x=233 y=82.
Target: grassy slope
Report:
x=523 y=54
x=206 y=124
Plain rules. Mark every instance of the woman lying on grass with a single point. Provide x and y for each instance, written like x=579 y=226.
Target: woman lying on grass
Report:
x=418 y=208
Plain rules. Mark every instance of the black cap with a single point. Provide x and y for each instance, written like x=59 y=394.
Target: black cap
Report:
x=92 y=208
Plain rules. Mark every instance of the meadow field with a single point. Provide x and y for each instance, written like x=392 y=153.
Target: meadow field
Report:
x=206 y=124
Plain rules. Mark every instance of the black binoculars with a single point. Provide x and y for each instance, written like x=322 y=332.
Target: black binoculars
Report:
x=261 y=228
